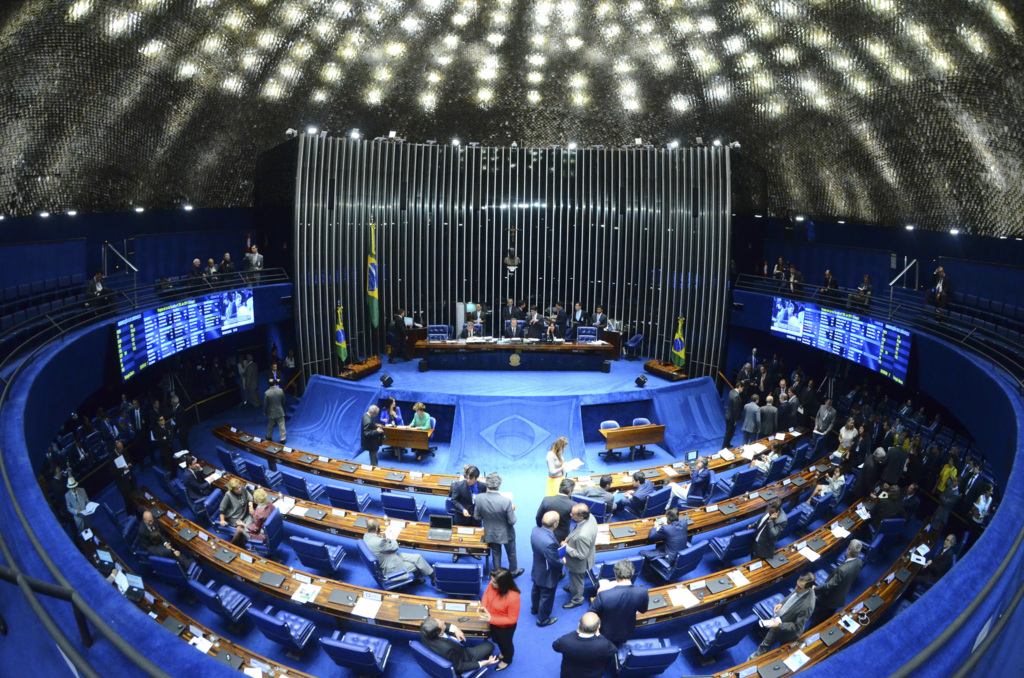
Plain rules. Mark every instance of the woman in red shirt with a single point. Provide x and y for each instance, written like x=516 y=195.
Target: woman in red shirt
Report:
x=500 y=608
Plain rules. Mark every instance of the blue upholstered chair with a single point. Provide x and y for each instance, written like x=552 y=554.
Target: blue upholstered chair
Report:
x=284 y=628
x=716 y=635
x=365 y=655
x=172 y=486
x=299 y=487
x=655 y=504
x=686 y=561
x=765 y=609
x=597 y=506
x=206 y=509
x=738 y=483
x=347 y=498
x=437 y=333
x=813 y=513
x=695 y=499
x=775 y=472
x=632 y=347
x=642 y=449
x=168 y=570
x=402 y=506
x=586 y=334
x=316 y=554
x=389 y=582
x=733 y=546
x=453 y=579
x=274 y=530
x=645 y=657
x=232 y=462
x=117 y=519
x=436 y=666
x=224 y=600
x=259 y=473
x=431 y=449
x=606 y=425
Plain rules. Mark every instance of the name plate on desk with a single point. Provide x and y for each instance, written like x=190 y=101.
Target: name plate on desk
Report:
x=370 y=595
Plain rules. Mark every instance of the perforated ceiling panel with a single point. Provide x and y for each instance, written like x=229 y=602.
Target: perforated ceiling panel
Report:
x=887 y=111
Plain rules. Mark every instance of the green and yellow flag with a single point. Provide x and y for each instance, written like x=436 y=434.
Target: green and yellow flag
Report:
x=679 y=345
x=372 y=299
x=340 y=343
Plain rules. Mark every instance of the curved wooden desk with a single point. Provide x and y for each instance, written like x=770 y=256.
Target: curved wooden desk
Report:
x=203 y=549
x=360 y=474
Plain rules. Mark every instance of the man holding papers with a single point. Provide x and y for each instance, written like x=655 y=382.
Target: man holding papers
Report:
x=618 y=603
x=831 y=595
x=547 y=568
x=699 y=481
x=670 y=535
x=580 y=548
x=791 y=616
x=196 y=487
x=768 y=529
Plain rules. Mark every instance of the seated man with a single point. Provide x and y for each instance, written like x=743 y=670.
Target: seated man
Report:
x=153 y=540
x=390 y=560
x=670 y=535
x=471 y=331
x=196 y=486
x=699 y=481
x=942 y=562
x=600 y=491
x=863 y=296
x=636 y=498
x=791 y=615
x=514 y=330
x=448 y=641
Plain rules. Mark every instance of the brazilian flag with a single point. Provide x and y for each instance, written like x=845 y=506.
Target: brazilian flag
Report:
x=679 y=346
x=372 y=299
x=340 y=343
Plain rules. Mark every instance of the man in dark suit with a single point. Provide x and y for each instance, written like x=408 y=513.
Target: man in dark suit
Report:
x=746 y=375
x=161 y=437
x=791 y=616
x=636 y=498
x=372 y=433
x=796 y=279
x=809 y=401
x=547 y=568
x=153 y=540
x=534 y=324
x=889 y=506
x=786 y=411
x=700 y=479
x=895 y=460
x=398 y=334
x=618 y=603
x=579 y=316
x=514 y=330
x=585 y=652
x=463 y=493
x=557 y=328
x=448 y=641
x=767 y=530
x=178 y=421
x=733 y=410
x=830 y=284
x=941 y=289
x=942 y=562
x=470 y=331
x=911 y=501
x=600 y=321
x=196 y=487
x=669 y=533
x=509 y=311
x=831 y=595
x=868 y=477
x=561 y=504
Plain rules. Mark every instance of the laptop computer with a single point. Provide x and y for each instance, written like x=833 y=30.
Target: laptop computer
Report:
x=274 y=579
x=136 y=589
x=622 y=532
x=440 y=528
x=652 y=473
x=245 y=438
x=412 y=612
x=691 y=456
x=315 y=513
x=874 y=602
x=728 y=509
x=816 y=544
x=656 y=602
x=768 y=495
x=225 y=556
x=187 y=534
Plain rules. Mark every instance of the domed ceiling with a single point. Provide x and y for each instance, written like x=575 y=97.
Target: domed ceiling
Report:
x=886 y=111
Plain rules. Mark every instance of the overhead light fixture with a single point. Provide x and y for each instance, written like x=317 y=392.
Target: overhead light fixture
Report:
x=700 y=141
x=455 y=141
x=72 y=213
x=354 y=134
x=432 y=142
x=187 y=208
x=735 y=145
x=44 y=214
x=910 y=227
x=386 y=380
x=673 y=144
x=311 y=130
x=2 y=217
x=1002 y=237
x=323 y=134
x=800 y=218
x=842 y=222
x=757 y=216
x=291 y=133
x=641 y=381
x=140 y=210
x=955 y=231
x=717 y=142
x=572 y=145
x=392 y=134
x=638 y=141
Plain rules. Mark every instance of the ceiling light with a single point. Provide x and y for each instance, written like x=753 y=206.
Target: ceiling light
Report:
x=572 y=145
x=673 y=144
x=140 y=210
x=311 y=130
x=800 y=218
x=910 y=227
x=842 y=222
x=955 y=231
x=455 y=141
x=44 y=214
x=717 y=142
x=72 y=213
x=187 y=208
x=354 y=134
x=290 y=133
x=735 y=145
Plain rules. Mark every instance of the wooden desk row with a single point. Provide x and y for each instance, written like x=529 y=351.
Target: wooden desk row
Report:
x=436 y=483
x=889 y=588
x=248 y=567
x=761 y=577
x=161 y=611
x=465 y=540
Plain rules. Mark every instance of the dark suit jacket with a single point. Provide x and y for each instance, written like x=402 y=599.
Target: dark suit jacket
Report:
x=617 y=608
x=733 y=407
x=832 y=594
x=464 y=334
x=885 y=509
x=942 y=562
x=535 y=330
x=561 y=321
x=767 y=535
x=509 y=313
x=785 y=414
x=563 y=506
x=895 y=458
x=462 y=497
x=670 y=538
x=196 y=488
x=370 y=438
x=793 y=622
x=830 y=283
x=584 y=318
x=583 y=657
x=547 y=566
x=452 y=650
x=699 y=482
x=509 y=334
x=868 y=477
x=639 y=498
x=911 y=505
x=599 y=320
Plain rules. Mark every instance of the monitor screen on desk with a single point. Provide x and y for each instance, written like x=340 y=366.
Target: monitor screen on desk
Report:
x=408 y=321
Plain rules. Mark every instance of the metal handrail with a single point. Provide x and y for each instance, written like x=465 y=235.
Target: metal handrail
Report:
x=63 y=587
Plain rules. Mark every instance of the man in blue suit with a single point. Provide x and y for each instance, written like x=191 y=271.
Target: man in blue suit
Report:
x=636 y=498
x=547 y=569
x=618 y=603
x=669 y=534
x=700 y=480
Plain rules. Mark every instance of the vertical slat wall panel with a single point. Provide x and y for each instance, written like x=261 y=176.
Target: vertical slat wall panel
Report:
x=643 y=232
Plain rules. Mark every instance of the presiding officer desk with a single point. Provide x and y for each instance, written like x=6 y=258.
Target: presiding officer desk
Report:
x=491 y=354
x=465 y=540
x=206 y=544
x=344 y=471
x=173 y=619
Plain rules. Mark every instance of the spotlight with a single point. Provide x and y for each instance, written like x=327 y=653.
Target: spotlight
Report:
x=386 y=381
x=572 y=146
x=291 y=133
x=72 y=213
x=638 y=141
x=910 y=227
x=717 y=142
x=44 y=214
x=311 y=130
x=735 y=145
x=700 y=141
x=392 y=134
x=323 y=134
x=140 y=210
x=515 y=145
x=2 y=217
x=641 y=381
x=354 y=134
x=955 y=231
x=432 y=142
x=187 y=208
x=474 y=144
x=842 y=222
x=455 y=141
x=800 y=218
x=673 y=144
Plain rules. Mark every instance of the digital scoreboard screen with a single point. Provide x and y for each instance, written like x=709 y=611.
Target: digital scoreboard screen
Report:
x=148 y=337
x=877 y=345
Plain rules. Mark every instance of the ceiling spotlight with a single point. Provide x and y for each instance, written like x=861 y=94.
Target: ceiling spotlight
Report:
x=354 y=134
x=673 y=144
x=638 y=141
x=323 y=134
x=386 y=380
x=455 y=141
x=717 y=142
x=392 y=134
x=72 y=213
x=641 y=381
x=955 y=231
x=311 y=130
x=140 y=210
x=291 y=133
x=187 y=208
x=757 y=216
x=44 y=214
x=842 y=222
x=800 y=218
x=474 y=143
x=735 y=145
x=515 y=145
x=572 y=146
x=700 y=141
x=2 y=217
x=910 y=227
x=432 y=142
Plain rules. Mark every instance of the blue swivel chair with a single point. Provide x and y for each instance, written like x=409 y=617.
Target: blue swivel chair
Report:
x=316 y=554
x=347 y=498
x=437 y=333
x=695 y=499
x=232 y=462
x=645 y=657
x=392 y=581
x=586 y=334
x=609 y=424
x=632 y=347
x=365 y=655
x=168 y=570
x=282 y=627
x=274 y=530
x=654 y=505
x=172 y=487
x=775 y=472
x=716 y=635
x=259 y=473
x=597 y=506
x=453 y=579
x=205 y=510
x=738 y=483
x=765 y=609
x=642 y=449
x=431 y=449
x=402 y=506
x=734 y=546
x=437 y=666
x=225 y=601
x=686 y=561
x=299 y=487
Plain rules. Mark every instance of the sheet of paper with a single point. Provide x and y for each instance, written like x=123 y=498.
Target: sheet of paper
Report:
x=122 y=581
x=367 y=608
x=90 y=508
x=923 y=549
x=748 y=454
x=780 y=436
x=839 y=532
x=214 y=477
x=796 y=660
x=201 y=644
x=682 y=598
x=604 y=538
x=758 y=448
x=305 y=593
x=252 y=672
x=795 y=434
x=914 y=558
x=863 y=513
x=572 y=464
x=284 y=504
x=669 y=471
x=727 y=455
x=738 y=578
x=120 y=462
x=297 y=510
x=808 y=554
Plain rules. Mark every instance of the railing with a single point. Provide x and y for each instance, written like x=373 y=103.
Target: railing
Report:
x=32 y=337
x=1002 y=353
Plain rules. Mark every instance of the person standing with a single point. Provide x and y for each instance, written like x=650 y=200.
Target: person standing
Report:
x=733 y=408
x=580 y=549
x=463 y=495
x=618 y=603
x=250 y=377
x=791 y=616
x=547 y=569
x=254 y=262
x=555 y=462
x=769 y=418
x=498 y=514
x=585 y=652
x=124 y=477
x=561 y=504
x=273 y=408
x=831 y=595
x=751 y=420
x=371 y=433
x=767 y=530
x=500 y=608
x=398 y=337
x=76 y=499
x=161 y=437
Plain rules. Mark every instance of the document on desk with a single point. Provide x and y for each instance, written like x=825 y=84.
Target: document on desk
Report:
x=367 y=608
x=839 y=532
x=914 y=558
x=297 y=510
x=305 y=593
x=284 y=504
x=727 y=455
x=681 y=597
x=669 y=471
x=808 y=554
x=252 y=672
x=748 y=453
x=201 y=644
x=863 y=513
x=758 y=448
x=796 y=660
x=604 y=538
x=738 y=578
x=780 y=436
x=395 y=528
x=923 y=549
x=214 y=477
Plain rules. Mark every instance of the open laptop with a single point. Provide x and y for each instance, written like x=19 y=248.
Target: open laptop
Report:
x=440 y=528
x=691 y=456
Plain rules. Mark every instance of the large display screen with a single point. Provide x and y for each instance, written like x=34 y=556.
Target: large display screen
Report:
x=877 y=345
x=150 y=336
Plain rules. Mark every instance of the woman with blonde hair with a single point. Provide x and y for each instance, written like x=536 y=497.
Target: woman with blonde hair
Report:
x=555 y=466
x=254 y=530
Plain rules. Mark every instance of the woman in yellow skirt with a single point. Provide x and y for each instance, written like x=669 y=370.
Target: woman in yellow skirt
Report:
x=555 y=464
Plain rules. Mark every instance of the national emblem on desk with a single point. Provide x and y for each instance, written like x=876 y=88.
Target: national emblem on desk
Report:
x=514 y=360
